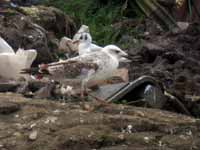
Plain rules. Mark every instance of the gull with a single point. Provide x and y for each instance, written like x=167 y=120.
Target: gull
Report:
x=82 y=29
x=11 y=63
x=97 y=65
x=83 y=40
x=85 y=45
x=69 y=46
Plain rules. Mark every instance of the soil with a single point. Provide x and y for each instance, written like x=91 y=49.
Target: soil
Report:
x=173 y=59
x=27 y=124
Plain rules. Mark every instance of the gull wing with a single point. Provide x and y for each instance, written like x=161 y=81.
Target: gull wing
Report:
x=5 y=47
x=71 y=69
x=95 y=47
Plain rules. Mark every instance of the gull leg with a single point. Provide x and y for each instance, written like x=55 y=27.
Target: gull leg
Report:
x=84 y=83
x=83 y=89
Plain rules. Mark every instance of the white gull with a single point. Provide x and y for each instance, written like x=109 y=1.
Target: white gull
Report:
x=98 y=65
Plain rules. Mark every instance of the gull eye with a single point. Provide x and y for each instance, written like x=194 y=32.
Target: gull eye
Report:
x=81 y=37
x=117 y=52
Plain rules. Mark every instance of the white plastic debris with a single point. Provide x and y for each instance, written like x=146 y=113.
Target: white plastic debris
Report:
x=67 y=90
x=12 y=63
x=33 y=125
x=160 y=143
x=129 y=128
x=33 y=135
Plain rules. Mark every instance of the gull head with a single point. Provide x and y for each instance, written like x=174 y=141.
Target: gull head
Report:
x=116 y=52
x=83 y=38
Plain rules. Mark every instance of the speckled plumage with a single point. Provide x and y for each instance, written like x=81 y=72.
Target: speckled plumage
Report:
x=100 y=63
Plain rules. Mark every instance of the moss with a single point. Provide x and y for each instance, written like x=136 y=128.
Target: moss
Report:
x=30 y=11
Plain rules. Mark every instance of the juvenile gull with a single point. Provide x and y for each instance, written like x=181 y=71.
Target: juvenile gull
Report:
x=98 y=65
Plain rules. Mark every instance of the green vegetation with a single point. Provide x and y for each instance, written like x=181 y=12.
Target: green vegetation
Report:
x=100 y=16
x=113 y=21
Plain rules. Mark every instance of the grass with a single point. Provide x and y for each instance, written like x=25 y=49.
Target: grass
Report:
x=98 y=15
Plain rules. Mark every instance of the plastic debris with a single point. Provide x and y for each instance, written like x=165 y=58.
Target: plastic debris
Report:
x=33 y=135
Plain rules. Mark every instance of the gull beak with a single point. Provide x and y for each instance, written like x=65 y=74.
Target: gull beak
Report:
x=124 y=57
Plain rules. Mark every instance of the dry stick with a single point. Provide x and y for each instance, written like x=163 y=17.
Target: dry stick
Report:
x=99 y=99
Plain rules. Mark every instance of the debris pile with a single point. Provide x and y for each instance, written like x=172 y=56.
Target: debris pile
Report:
x=173 y=59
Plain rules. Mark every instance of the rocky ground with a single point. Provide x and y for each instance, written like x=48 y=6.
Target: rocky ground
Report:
x=27 y=124
x=172 y=58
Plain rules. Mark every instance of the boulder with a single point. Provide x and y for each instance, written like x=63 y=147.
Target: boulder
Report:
x=34 y=28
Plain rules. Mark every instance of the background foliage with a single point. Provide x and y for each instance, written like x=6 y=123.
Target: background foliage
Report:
x=100 y=16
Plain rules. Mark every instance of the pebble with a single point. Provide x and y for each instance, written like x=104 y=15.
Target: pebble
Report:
x=51 y=119
x=146 y=139
x=33 y=135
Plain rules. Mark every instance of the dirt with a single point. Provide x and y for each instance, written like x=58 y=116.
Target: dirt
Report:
x=173 y=59
x=42 y=124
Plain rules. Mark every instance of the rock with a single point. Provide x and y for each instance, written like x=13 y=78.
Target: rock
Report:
x=46 y=91
x=19 y=31
x=51 y=119
x=51 y=19
x=66 y=46
x=8 y=86
x=8 y=107
x=33 y=135
x=183 y=25
x=34 y=28
x=150 y=51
